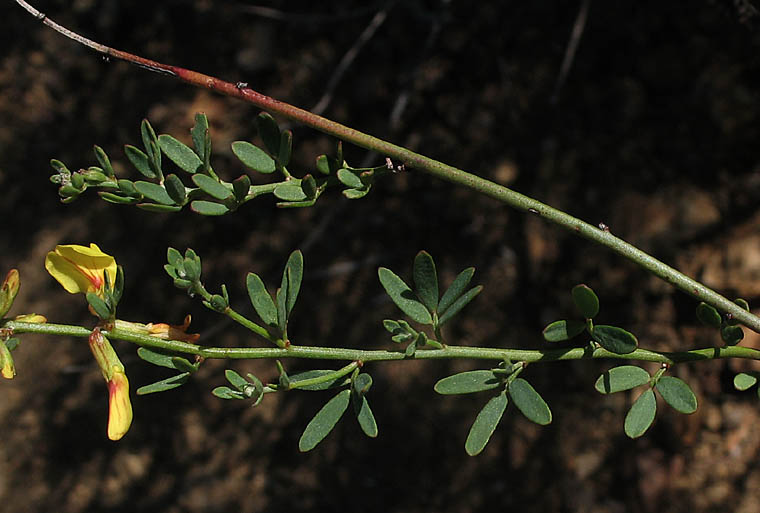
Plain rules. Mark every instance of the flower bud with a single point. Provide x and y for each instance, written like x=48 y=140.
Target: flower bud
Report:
x=119 y=406
x=32 y=317
x=8 y=291
x=7 y=369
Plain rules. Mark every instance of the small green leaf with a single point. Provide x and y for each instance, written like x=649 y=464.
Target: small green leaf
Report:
x=731 y=335
x=529 y=402
x=149 y=138
x=179 y=153
x=211 y=187
x=289 y=192
x=284 y=379
x=708 y=315
x=241 y=186
x=366 y=418
x=624 y=377
x=98 y=305
x=744 y=381
x=411 y=348
x=236 y=380
x=174 y=257
x=455 y=290
x=116 y=199
x=208 y=208
x=559 y=331
x=391 y=326
x=127 y=187
x=175 y=189
x=261 y=300
x=164 y=384
x=641 y=415
x=361 y=384
x=426 y=280
x=355 y=193
x=155 y=207
x=269 y=132
x=199 y=133
x=614 y=339
x=286 y=147
x=280 y=300
x=401 y=330
x=349 y=179
x=485 y=424
x=316 y=373
x=309 y=186
x=12 y=343
x=183 y=364
x=324 y=421
x=586 y=301
x=323 y=165
x=293 y=272
x=253 y=157
x=402 y=295
x=227 y=393
x=460 y=303
x=154 y=192
x=140 y=160
x=103 y=160
x=156 y=357
x=468 y=382
x=677 y=394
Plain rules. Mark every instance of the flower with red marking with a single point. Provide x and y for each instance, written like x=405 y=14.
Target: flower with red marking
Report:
x=119 y=405
x=81 y=269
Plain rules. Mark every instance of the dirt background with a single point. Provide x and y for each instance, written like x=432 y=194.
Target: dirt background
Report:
x=654 y=132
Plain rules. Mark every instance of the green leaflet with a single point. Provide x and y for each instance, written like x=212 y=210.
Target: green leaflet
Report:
x=324 y=421
x=485 y=424
x=641 y=415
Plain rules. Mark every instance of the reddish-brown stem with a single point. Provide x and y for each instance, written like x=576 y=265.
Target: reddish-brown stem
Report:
x=410 y=159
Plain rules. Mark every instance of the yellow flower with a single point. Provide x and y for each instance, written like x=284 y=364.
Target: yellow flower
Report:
x=32 y=317
x=119 y=406
x=8 y=291
x=81 y=269
x=7 y=369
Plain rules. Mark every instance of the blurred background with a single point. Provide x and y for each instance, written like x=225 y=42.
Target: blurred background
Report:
x=649 y=126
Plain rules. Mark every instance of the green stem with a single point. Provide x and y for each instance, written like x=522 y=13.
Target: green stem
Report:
x=427 y=165
x=249 y=324
x=355 y=355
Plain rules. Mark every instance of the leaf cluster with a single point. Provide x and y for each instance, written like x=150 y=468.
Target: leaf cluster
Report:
x=612 y=338
x=423 y=304
x=505 y=377
x=208 y=194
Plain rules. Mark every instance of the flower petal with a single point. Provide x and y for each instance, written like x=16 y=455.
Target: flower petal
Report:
x=79 y=268
x=119 y=406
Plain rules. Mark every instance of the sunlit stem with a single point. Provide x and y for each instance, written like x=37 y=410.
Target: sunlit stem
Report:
x=336 y=353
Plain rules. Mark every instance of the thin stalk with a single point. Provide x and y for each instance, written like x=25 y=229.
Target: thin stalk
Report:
x=361 y=355
x=327 y=378
x=425 y=164
x=249 y=324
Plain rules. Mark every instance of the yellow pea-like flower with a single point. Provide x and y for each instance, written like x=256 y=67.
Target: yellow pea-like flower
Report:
x=81 y=269
x=119 y=405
